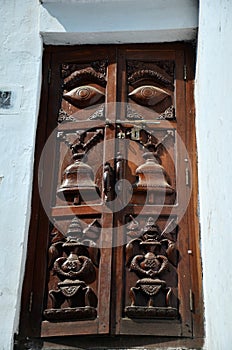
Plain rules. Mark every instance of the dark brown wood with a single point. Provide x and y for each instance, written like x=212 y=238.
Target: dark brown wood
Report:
x=29 y=286
x=123 y=341
x=146 y=57
x=194 y=234
x=68 y=328
x=142 y=327
x=137 y=271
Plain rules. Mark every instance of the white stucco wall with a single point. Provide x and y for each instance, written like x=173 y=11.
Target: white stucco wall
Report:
x=117 y=21
x=20 y=65
x=214 y=136
x=132 y=21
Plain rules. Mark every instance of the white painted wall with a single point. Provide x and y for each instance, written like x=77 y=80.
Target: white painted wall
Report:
x=131 y=21
x=20 y=65
x=214 y=136
x=117 y=21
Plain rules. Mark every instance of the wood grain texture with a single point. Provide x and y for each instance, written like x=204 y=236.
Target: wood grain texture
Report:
x=150 y=79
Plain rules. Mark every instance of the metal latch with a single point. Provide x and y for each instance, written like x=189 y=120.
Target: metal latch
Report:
x=135 y=133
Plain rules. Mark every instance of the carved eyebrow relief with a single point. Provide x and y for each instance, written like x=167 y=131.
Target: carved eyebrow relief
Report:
x=85 y=75
x=152 y=75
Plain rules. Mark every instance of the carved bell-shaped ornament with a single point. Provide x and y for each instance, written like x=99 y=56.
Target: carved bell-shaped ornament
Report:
x=152 y=176
x=78 y=183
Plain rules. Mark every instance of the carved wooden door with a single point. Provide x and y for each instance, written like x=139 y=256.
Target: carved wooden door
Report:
x=115 y=182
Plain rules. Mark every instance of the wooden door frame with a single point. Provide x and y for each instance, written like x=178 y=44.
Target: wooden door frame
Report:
x=39 y=220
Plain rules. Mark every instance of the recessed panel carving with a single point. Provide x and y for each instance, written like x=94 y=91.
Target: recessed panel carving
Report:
x=79 y=180
x=150 y=163
x=73 y=259
x=152 y=177
x=152 y=257
x=151 y=84
x=83 y=91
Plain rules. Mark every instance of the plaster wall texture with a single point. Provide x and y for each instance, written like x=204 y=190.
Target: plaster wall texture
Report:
x=20 y=65
x=117 y=21
x=214 y=135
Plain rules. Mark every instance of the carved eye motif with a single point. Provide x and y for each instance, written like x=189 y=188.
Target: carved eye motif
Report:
x=83 y=96
x=148 y=95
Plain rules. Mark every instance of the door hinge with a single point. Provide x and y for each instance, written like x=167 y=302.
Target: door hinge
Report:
x=41 y=173
x=185 y=72
x=30 y=302
x=191 y=304
x=49 y=75
x=187 y=180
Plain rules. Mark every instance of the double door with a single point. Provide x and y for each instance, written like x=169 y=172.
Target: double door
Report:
x=114 y=240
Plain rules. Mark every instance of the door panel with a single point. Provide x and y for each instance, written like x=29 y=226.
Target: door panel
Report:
x=115 y=187
x=79 y=258
x=154 y=165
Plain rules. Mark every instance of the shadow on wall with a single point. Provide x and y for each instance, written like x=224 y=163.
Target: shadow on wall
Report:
x=116 y=21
